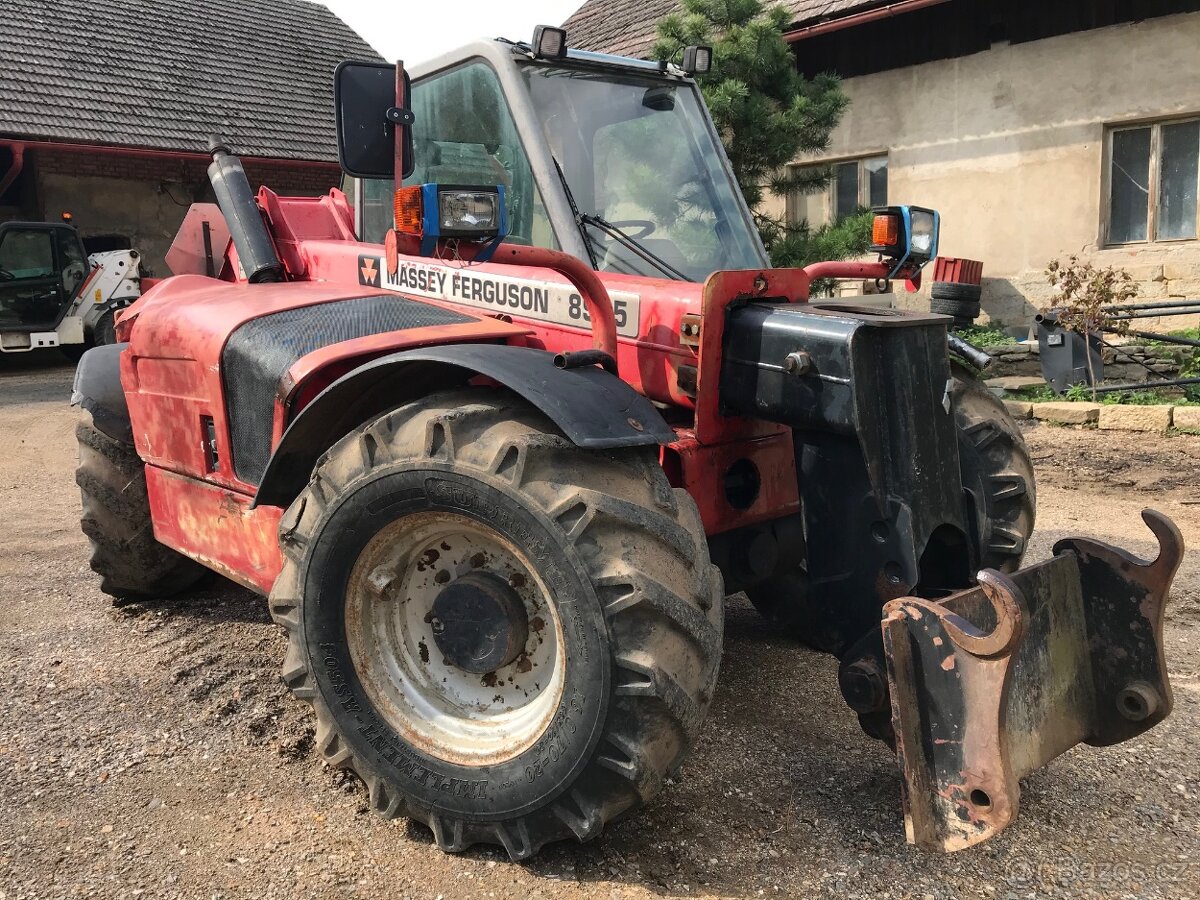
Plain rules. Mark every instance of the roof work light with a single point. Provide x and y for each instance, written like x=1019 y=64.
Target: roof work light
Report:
x=549 y=42
x=697 y=60
x=434 y=212
x=907 y=235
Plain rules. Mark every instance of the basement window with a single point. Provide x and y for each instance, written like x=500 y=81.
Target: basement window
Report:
x=1153 y=182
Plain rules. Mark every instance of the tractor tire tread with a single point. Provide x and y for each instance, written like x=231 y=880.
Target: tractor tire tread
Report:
x=623 y=519
x=1006 y=468
x=116 y=519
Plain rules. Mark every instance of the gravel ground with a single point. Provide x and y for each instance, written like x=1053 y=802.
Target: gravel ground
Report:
x=152 y=752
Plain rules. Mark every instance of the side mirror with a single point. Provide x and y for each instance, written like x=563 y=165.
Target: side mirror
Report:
x=364 y=97
x=660 y=98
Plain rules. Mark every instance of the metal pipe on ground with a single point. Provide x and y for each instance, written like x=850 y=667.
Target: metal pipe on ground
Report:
x=968 y=351
x=1164 y=338
x=1193 y=310
x=1144 y=385
x=1150 y=304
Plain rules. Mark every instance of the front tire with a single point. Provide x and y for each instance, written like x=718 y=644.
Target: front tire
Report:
x=606 y=644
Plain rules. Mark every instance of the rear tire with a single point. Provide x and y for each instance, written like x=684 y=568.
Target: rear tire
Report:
x=997 y=475
x=475 y=484
x=132 y=564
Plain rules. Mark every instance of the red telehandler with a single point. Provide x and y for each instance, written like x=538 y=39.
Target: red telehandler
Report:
x=498 y=438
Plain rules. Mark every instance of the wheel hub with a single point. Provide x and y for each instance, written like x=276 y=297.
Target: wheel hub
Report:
x=479 y=623
x=455 y=638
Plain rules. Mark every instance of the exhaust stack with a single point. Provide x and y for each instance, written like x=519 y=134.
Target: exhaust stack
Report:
x=256 y=251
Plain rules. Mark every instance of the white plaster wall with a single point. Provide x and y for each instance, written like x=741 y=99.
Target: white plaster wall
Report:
x=1009 y=145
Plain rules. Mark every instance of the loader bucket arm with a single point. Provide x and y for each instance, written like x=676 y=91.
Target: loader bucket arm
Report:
x=992 y=682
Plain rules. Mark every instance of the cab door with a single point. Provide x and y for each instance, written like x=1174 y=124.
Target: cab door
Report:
x=37 y=278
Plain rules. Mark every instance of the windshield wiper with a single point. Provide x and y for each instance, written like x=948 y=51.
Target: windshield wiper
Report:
x=584 y=220
x=587 y=238
x=632 y=245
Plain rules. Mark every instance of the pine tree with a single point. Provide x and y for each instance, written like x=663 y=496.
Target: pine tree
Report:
x=767 y=113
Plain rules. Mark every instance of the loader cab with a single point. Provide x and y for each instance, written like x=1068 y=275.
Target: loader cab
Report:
x=42 y=266
x=580 y=142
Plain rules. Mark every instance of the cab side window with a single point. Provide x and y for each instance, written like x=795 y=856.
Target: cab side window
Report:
x=465 y=135
x=26 y=254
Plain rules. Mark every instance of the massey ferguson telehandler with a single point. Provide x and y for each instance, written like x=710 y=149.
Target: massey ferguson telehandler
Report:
x=498 y=457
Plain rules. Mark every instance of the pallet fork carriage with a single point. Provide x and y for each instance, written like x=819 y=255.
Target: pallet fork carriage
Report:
x=498 y=438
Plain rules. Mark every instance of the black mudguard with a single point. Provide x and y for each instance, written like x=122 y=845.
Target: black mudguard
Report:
x=98 y=390
x=594 y=409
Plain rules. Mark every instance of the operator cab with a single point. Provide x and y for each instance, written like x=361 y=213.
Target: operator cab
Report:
x=613 y=160
x=42 y=266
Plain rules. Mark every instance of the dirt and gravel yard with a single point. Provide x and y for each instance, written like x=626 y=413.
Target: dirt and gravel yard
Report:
x=153 y=752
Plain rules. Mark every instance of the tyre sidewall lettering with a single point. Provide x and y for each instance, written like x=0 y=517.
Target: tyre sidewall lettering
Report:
x=500 y=790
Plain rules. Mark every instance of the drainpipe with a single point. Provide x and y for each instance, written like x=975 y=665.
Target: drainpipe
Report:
x=18 y=162
x=874 y=15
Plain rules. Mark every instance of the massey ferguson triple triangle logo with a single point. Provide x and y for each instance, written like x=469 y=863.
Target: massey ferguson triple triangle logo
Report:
x=368 y=270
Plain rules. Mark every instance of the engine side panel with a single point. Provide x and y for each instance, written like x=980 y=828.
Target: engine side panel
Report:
x=259 y=353
x=177 y=333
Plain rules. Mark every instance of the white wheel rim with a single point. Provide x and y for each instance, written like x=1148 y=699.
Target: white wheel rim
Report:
x=437 y=707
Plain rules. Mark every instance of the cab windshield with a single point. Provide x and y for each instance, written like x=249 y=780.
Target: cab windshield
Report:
x=637 y=153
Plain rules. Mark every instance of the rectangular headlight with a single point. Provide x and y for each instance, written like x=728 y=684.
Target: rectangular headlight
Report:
x=907 y=236
x=468 y=213
x=924 y=233
x=433 y=212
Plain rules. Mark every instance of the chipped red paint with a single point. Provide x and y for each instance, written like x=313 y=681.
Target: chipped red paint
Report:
x=172 y=380
x=216 y=526
x=722 y=289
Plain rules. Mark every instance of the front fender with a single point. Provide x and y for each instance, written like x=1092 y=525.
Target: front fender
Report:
x=594 y=409
x=98 y=389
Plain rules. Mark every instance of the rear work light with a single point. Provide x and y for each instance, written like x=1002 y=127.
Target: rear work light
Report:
x=906 y=235
x=436 y=212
